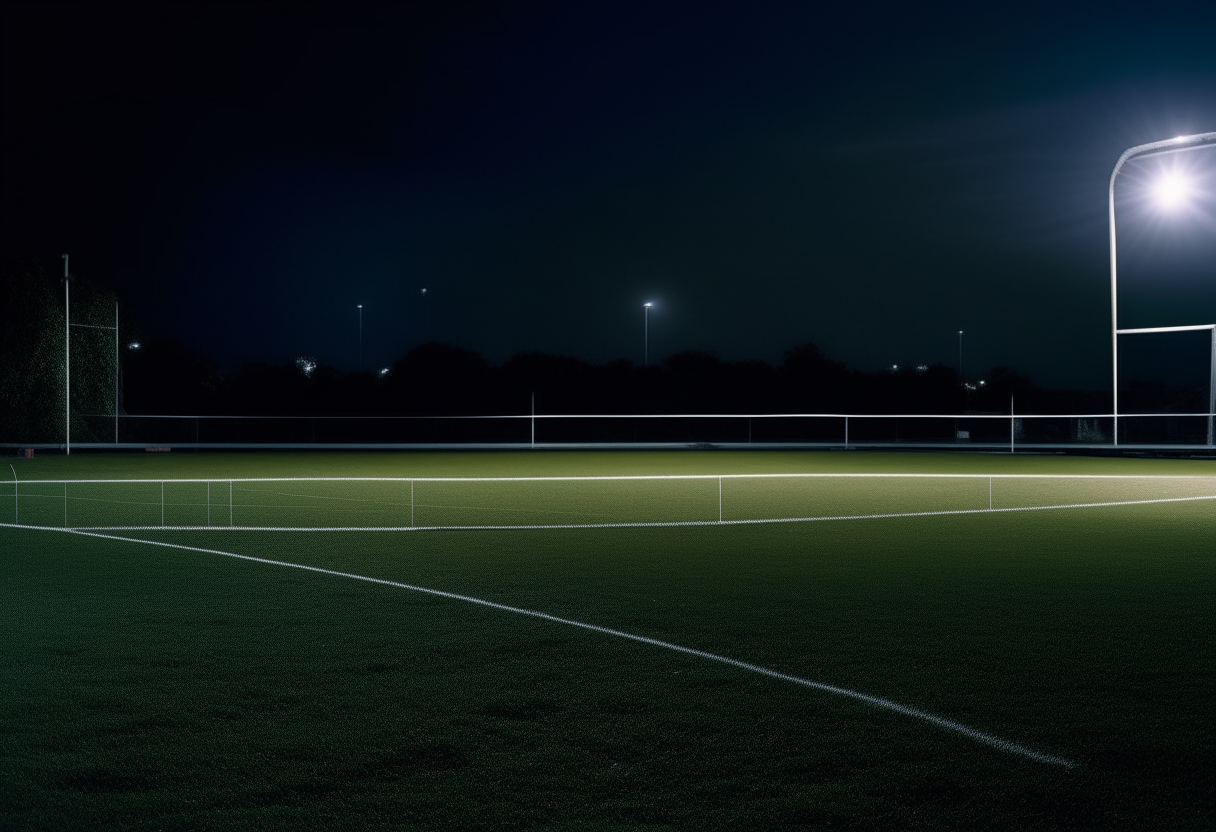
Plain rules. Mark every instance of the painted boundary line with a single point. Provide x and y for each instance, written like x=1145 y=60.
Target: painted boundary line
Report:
x=639 y=525
x=644 y=477
x=878 y=702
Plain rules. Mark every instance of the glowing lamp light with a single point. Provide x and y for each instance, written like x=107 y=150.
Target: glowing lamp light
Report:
x=134 y=345
x=1171 y=190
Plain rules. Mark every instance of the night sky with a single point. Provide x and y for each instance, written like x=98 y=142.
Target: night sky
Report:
x=870 y=177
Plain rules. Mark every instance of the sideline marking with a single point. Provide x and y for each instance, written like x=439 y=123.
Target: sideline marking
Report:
x=617 y=477
x=639 y=525
x=887 y=704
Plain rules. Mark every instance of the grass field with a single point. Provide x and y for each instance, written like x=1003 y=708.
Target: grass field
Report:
x=173 y=687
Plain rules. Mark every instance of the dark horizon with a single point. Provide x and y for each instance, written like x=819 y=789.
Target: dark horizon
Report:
x=870 y=180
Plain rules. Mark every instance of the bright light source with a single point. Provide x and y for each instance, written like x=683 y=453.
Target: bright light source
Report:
x=307 y=366
x=134 y=345
x=648 y=305
x=1171 y=190
x=383 y=372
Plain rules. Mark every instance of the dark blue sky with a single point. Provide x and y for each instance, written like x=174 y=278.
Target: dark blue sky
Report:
x=871 y=178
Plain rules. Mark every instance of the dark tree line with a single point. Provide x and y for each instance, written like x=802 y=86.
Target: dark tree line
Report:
x=437 y=379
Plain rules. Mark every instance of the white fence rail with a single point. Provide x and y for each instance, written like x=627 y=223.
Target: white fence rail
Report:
x=988 y=430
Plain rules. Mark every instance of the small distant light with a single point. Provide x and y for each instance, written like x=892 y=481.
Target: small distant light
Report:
x=920 y=368
x=383 y=372
x=648 y=305
x=307 y=366
x=134 y=345
x=982 y=383
x=894 y=367
x=424 y=291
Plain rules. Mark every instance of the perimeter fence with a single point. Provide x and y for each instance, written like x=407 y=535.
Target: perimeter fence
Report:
x=822 y=429
x=532 y=502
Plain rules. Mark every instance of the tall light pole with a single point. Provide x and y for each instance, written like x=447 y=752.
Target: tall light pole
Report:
x=360 y=306
x=67 y=361
x=1192 y=142
x=960 y=356
x=646 y=333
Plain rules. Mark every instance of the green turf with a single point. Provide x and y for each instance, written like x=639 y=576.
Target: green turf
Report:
x=150 y=688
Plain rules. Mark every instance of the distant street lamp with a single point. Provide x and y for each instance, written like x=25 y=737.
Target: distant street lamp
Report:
x=646 y=333
x=1170 y=191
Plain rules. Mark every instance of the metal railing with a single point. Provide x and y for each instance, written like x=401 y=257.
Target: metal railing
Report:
x=1182 y=431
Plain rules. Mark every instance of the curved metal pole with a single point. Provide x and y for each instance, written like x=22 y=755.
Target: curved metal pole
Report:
x=1193 y=142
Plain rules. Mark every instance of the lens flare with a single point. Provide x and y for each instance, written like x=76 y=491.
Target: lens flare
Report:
x=1171 y=190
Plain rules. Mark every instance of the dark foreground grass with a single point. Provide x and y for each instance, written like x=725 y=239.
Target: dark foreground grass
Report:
x=150 y=688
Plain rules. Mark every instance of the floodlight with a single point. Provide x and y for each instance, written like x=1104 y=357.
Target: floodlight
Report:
x=1171 y=190
x=134 y=345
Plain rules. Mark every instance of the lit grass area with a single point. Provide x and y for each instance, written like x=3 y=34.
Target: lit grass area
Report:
x=112 y=491
x=549 y=463
x=148 y=687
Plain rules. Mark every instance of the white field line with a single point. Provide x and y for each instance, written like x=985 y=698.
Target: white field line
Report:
x=878 y=702
x=638 y=525
x=648 y=477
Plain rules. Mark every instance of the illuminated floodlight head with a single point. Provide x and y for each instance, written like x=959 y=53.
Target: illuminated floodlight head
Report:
x=383 y=372
x=648 y=304
x=1171 y=190
x=134 y=345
